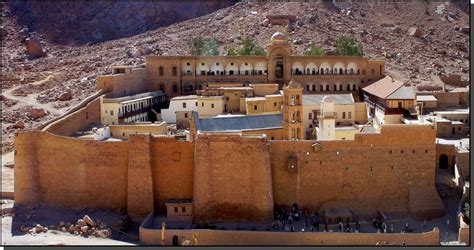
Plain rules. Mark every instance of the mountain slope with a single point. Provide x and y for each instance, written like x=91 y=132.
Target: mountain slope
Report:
x=440 y=49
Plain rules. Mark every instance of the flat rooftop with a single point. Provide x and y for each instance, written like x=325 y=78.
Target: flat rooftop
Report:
x=336 y=98
x=426 y=98
x=184 y=97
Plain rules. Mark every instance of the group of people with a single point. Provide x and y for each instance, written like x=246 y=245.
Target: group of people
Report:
x=285 y=218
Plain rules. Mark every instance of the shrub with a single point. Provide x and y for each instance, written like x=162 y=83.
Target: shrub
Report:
x=199 y=46
x=315 y=51
x=346 y=46
x=250 y=48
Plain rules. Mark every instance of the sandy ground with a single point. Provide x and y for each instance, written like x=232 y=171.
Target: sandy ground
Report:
x=7 y=172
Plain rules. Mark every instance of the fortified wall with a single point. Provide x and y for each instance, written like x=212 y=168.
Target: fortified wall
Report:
x=229 y=176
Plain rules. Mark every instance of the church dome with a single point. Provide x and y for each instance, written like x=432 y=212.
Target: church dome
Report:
x=278 y=37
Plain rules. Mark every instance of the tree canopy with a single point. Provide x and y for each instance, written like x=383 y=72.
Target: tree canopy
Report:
x=199 y=46
x=315 y=51
x=346 y=46
x=249 y=48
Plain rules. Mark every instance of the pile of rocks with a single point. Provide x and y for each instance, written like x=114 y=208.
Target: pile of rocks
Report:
x=84 y=227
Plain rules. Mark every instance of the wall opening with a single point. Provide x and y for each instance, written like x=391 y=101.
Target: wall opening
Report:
x=443 y=161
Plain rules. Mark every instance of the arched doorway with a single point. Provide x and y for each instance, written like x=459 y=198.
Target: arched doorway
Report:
x=443 y=161
x=279 y=67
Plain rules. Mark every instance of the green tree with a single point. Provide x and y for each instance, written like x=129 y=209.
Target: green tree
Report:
x=259 y=51
x=249 y=48
x=212 y=47
x=197 y=46
x=231 y=51
x=315 y=51
x=346 y=46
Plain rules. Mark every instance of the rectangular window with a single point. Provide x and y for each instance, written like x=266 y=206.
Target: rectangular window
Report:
x=184 y=105
x=343 y=115
x=162 y=87
x=196 y=104
x=310 y=116
x=175 y=88
x=202 y=104
x=212 y=105
x=274 y=104
x=111 y=112
x=349 y=115
x=175 y=209
x=183 y=209
x=254 y=107
x=185 y=115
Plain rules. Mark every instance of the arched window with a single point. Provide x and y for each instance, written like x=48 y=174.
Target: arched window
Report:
x=334 y=87
x=340 y=87
x=175 y=71
x=327 y=87
x=348 y=87
x=363 y=72
x=160 y=70
x=314 y=87
x=340 y=71
x=354 y=87
x=307 y=88
x=321 y=88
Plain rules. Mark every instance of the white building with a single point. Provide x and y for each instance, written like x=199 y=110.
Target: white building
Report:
x=179 y=104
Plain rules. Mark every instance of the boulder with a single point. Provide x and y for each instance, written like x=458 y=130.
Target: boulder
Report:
x=415 y=32
x=38 y=229
x=81 y=223
x=24 y=229
x=20 y=124
x=36 y=113
x=71 y=229
x=84 y=229
x=89 y=221
x=34 y=47
x=65 y=96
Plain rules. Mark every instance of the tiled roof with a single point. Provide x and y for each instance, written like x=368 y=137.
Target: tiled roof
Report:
x=336 y=98
x=383 y=87
x=238 y=123
x=403 y=92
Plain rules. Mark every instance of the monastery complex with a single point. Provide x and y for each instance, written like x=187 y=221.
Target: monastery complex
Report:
x=222 y=139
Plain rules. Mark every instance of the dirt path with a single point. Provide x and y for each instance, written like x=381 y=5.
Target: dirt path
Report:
x=29 y=100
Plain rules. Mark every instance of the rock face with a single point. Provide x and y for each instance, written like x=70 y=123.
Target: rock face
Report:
x=84 y=22
x=34 y=48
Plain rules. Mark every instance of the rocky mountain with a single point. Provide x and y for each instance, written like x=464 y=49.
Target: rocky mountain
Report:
x=96 y=21
x=43 y=68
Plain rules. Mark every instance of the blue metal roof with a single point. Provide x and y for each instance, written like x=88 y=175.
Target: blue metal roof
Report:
x=238 y=123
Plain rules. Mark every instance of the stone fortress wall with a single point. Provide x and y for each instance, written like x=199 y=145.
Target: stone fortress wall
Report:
x=224 y=173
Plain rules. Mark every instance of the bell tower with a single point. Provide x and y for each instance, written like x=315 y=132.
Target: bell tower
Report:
x=279 y=60
x=293 y=111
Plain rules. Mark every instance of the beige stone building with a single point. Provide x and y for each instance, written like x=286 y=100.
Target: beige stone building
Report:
x=129 y=109
x=183 y=75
